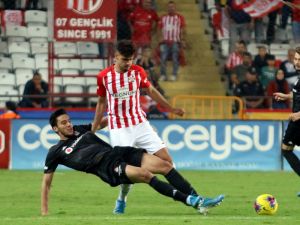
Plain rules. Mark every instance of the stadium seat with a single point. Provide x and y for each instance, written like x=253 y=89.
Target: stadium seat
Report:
x=253 y=48
x=92 y=66
x=16 y=33
x=23 y=75
x=279 y=50
x=8 y=90
x=224 y=47
x=18 y=49
x=58 y=80
x=3 y=48
x=8 y=79
x=92 y=89
x=87 y=49
x=67 y=64
x=35 y=18
x=39 y=48
x=38 y=34
x=75 y=89
x=24 y=63
x=44 y=74
x=5 y=64
x=74 y=81
x=65 y=49
x=41 y=61
x=91 y=81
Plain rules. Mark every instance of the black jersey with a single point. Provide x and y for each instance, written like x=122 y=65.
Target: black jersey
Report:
x=83 y=151
x=296 y=95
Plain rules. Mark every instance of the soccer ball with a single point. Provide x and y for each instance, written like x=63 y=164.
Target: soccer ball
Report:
x=265 y=204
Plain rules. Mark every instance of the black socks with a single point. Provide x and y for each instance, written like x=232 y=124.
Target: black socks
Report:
x=180 y=183
x=167 y=190
x=292 y=160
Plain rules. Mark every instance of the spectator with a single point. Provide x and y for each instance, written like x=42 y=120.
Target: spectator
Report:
x=236 y=57
x=9 y=4
x=240 y=23
x=147 y=63
x=268 y=72
x=239 y=72
x=143 y=21
x=32 y=4
x=290 y=73
x=10 y=111
x=279 y=84
x=35 y=86
x=125 y=7
x=172 y=39
x=296 y=21
x=251 y=90
x=260 y=60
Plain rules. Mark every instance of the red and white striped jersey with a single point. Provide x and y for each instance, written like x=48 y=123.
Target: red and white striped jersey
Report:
x=172 y=26
x=233 y=60
x=122 y=91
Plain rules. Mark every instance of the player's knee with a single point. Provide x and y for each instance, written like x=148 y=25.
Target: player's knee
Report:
x=166 y=167
x=145 y=175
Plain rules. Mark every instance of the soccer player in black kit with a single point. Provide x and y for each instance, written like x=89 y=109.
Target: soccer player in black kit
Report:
x=292 y=133
x=82 y=150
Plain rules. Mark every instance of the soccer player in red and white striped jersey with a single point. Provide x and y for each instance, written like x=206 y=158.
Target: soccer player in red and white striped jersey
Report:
x=119 y=92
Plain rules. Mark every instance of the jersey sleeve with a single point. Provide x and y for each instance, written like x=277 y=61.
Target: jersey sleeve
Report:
x=101 y=90
x=145 y=83
x=51 y=163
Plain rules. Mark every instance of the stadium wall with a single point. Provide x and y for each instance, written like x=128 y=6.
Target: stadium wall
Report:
x=194 y=145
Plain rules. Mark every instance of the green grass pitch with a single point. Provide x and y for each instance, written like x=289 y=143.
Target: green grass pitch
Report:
x=77 y=198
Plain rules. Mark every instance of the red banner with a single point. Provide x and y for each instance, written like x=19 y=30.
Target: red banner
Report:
x=85 y=20
x=5 y=126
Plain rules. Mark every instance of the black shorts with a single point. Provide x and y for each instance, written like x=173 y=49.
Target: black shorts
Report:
x=292 y=134
x=112 y=166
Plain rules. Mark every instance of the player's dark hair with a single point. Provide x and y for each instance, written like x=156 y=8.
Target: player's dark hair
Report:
x=126 y=48
x=297 y=50
x=54 y=115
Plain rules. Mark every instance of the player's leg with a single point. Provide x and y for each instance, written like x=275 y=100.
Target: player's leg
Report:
x=141 y=175
x=290 y=139
x=148 y=139
x=290 y=156
x=122 y=137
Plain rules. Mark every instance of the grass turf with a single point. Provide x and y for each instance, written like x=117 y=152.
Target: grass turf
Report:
x=77 y=198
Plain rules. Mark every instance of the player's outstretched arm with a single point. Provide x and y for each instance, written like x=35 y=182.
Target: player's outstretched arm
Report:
x=282 y=97
x=46 y=184
x=156 y=96
x=99 y=112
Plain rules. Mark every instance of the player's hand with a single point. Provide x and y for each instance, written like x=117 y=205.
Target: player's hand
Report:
x=280 y=96
x=294 y=117
x=178 y=111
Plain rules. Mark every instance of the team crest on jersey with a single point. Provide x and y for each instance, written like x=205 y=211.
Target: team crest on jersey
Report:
x=131 y=78
x=68 y=150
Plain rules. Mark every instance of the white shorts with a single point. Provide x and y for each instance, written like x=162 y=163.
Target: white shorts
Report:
x=141 y=136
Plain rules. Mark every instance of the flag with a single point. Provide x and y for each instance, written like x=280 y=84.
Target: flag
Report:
x=260 y=8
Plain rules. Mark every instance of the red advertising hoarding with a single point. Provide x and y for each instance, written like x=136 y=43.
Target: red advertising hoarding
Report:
x=5 y=126
x=85 y=20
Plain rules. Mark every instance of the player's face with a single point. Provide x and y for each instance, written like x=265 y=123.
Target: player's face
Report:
x=64 y=126
x=297 y=61
x=122 y=62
